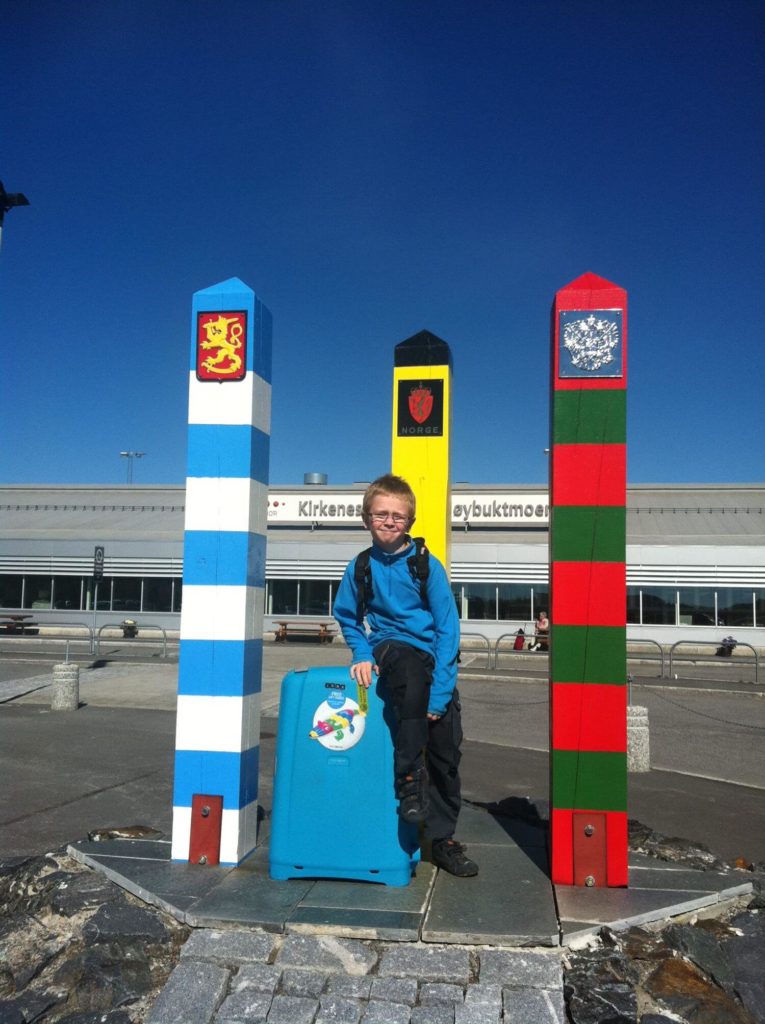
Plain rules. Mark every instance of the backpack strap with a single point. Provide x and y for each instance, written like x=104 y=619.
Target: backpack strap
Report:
x=362 y=575
x=419 y=567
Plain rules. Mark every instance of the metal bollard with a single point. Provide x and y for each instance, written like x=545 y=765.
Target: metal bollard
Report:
x=66 y=687
x=638 y=746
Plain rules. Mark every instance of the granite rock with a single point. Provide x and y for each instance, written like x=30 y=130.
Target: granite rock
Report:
x=228 y=947
x=324 y=952
x=124 y=922
x=683 y=989
x=702 y=949
x=428 y=963
x=746 y=955
x=642 y=839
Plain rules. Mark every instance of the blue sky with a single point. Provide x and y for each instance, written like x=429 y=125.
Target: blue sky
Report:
x=372 y=169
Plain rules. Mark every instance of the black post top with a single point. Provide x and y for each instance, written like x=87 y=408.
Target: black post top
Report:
x=422 y=349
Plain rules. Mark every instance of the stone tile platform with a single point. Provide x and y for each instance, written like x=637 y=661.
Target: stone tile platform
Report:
x=510 y=903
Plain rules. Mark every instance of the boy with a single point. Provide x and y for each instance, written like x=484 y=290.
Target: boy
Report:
x=413 y=642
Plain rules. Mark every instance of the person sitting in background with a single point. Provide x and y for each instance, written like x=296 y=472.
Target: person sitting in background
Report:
x=541 y=630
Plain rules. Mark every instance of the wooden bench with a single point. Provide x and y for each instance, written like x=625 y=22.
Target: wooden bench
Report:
x=324 y=632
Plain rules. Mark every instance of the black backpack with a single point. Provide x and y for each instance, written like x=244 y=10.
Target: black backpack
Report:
x=419 y=567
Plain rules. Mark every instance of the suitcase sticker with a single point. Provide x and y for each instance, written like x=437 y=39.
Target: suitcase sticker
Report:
x=338 y=727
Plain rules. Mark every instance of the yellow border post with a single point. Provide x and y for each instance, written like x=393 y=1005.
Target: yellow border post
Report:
x=422 y=426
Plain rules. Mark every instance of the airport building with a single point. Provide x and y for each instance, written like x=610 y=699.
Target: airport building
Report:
x=695 y=556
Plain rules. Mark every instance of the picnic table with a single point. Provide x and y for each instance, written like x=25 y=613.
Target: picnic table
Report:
x=324 y=632
x=15 y=623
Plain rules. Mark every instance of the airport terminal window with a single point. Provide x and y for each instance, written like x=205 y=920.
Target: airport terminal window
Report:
x=282 y=597
x=10 y=591
x=736 y=607
x=333 y=588
x=697 y=606
x=104 y=595
x=481 y=600
x=67 y=592
x=540 y=601
x=759 y=607
x=515 y=601
x=314 y=597
x=126 y=595
x=37 y=591
x=659 y=606
x=633 y=604
x=157 y=595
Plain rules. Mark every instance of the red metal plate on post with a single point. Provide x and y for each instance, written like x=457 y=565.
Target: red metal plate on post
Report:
x=589 y=847
x=206 y=821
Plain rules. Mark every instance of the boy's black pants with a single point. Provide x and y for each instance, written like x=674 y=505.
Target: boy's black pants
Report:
x=405 y=675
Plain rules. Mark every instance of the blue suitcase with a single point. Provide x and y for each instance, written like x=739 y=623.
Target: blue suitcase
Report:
x=335 y=813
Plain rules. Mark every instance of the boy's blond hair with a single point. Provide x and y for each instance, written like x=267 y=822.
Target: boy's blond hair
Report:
x=395 y=486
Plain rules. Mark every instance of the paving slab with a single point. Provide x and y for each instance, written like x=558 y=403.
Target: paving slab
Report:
x=256 y=978
x=337 y=1010
x=349 y=986
x=515 y=968
x=158 y=877
x=364 y=910
x=245 y=897
x=573 y=932
x=534 y=1006
x=427 y=963
x=231 y=947
x=250 y=1006
x=193 y=993
x=395 y=990
x=477 y=825
x=387 y=1013
x=435 y=993
x=477 y=1013
x=621 y=908
x=140 y=849
x=433 y=1014
x=661 y=876
x=292 y=1010
x=298 y=982
x=410 y=898
x=351 y=922
x=510 y=902
x=325 y=952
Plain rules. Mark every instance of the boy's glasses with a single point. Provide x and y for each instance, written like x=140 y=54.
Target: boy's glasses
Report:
x=381 y=517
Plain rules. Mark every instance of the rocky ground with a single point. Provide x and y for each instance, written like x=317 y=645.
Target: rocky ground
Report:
x=704 y=968
x=76 y=949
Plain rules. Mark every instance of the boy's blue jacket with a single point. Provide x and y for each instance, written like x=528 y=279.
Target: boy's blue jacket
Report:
x=396 y=612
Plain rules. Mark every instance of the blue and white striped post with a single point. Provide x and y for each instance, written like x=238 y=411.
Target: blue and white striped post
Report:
x=224 y=556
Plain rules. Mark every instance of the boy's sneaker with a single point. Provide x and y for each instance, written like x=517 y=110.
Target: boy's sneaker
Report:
x=413 y=797
x=450 y=855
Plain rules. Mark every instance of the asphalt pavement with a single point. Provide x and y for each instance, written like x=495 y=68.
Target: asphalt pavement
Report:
x=111 y=762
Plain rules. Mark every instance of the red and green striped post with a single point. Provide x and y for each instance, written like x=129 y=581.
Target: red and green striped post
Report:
x=588 y=659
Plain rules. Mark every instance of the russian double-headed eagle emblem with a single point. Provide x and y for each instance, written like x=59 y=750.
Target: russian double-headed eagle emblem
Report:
x=591 y=342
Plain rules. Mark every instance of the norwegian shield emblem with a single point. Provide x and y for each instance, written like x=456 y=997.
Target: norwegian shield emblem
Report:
x=420 y=403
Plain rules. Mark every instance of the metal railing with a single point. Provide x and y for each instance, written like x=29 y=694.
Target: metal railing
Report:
x=714 y=643
x=654 y=643
x=485 y=639
x=526 y=636
x=40 y=636
x=133 y=640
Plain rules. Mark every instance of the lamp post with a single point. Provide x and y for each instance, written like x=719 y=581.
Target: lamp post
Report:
x=130 y=456
x=7 y=201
